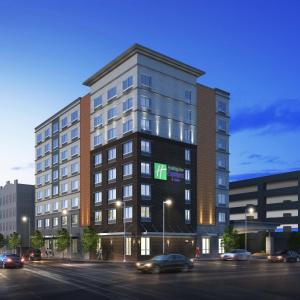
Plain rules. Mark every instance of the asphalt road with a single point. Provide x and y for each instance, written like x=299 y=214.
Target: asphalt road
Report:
x=209 y=280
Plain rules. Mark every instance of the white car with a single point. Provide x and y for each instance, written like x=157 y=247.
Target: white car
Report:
x=236 y=254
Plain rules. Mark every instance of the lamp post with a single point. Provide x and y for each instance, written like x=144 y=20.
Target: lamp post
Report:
x=123 y=204
x=65 y=213
x=167 y=202
x=248 y=210
x=26 y=219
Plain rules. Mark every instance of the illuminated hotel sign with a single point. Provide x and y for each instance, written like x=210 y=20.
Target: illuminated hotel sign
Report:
x=165 y=172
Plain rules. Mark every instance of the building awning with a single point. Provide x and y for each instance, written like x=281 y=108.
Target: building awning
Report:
x=253 y=226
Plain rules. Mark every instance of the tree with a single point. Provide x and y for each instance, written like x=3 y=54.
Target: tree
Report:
x=63 y=240
x=2 y=241
x=37 y=240
x=231 y=239
x=14 y=241
x=89 y=239
x=294 y=241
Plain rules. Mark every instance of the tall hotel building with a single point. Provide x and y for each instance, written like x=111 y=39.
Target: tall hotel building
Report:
x=147 y=132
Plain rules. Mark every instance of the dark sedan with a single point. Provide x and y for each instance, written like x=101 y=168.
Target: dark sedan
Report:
x=166 y=263
x=284 y=256
x=11 y=261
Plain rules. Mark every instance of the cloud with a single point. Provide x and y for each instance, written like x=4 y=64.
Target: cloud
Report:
x=266 y=172
x=24 y=167
x=259 y=158
x=280 y=116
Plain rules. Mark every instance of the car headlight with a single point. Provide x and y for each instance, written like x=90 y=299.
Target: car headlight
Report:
x=9 y=260
x=269 y=257
x=148 y=265
x=138 y=264
x=191 y=260
x=279 y=257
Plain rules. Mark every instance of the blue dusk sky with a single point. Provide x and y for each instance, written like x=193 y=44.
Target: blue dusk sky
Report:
x=249 y=48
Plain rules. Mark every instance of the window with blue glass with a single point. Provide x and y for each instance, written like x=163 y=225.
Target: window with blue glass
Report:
x=74 y=116
x=127 y=104
x=111 y=93
x=127 y=83
x=97 y=102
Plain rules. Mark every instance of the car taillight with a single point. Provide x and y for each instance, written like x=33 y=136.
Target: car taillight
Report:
x=22 y=259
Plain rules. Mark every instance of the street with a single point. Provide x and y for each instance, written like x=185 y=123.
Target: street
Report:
x=208 y=280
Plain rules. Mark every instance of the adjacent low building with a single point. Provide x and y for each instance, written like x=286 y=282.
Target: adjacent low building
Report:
x=275 y=200
x=16 y=202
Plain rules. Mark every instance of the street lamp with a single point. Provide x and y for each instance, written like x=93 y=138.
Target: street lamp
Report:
x=120 y=204
x=65 y=213
x=26 y=219
x=248 y=210
x=168 y=202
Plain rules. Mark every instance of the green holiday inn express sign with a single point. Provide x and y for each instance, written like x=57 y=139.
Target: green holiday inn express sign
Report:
x=160 y=171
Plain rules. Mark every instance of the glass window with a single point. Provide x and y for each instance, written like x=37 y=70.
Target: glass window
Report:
x=74 y=116
x=98 y=197
x=98 y=178
x=127 y=83
x=47 y=163
x=98 y=216
x=111 y=113
x=128 y=213
x=47 y=207
x=128 y=246
x=55 y=206
x=145 y=168
x=222 y=107
x=55 y=143
x=222 y=125
x=112 y=194
x=39 y=195
x=221 y=180
x=98 y=121
x=187 y=155
x=74 y=219
x=64 y=220
x=188 y=95
x=187 y=195
x=64 y=187
x=75 y=202
x=47 y=192
x=111 y=93
x=221 y=217
x=111 y=133
x=74 y=133
x=205 y=245
x=39 y=209
x=145 y=246
x=221 y=162
x=74 y=168
x=127 y=191
x=221 y=144
x=39 y=167
x=98 y=159
x=64 y=155
x=39 y=152
x=112 y=215
x=47 y=178
x=74 y=185
x=64 y=204
x=127 y=169
x=187 y=216
x=55 y=175
x=98 y=140
x=127 y=126
x=146 y=80
x=145 y=190
x=221 y=198
x=64 y=171
x=47 y=222
x=221 y=246
x=39 y=138
x=97 y=102
x=127 y=104
x=112 y=153
x=47 y=148
x=187 y=135
x=55 y=222
x=64 y=122
x=145 y=146
x=187 y=175
x=40 y=223
x=74 y=150
x=47 y=133
x=64 y=138
x=39 y=181
x=55 y=127
x=112 y=174
x=127 y=148
x=145 y=124
x=145 y=102
x=55 y=190
x=188 y=115
x=145 y=212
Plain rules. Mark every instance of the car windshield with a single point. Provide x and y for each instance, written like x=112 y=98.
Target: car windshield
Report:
x=12 y=255
x=160 y=257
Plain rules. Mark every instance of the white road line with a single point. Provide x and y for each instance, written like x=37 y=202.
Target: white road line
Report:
x=3 y=276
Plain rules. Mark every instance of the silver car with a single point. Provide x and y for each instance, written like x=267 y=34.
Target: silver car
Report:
x=236 y=254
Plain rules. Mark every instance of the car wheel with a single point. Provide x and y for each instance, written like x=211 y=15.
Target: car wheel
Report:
x=156 y=270
x=185 y=268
